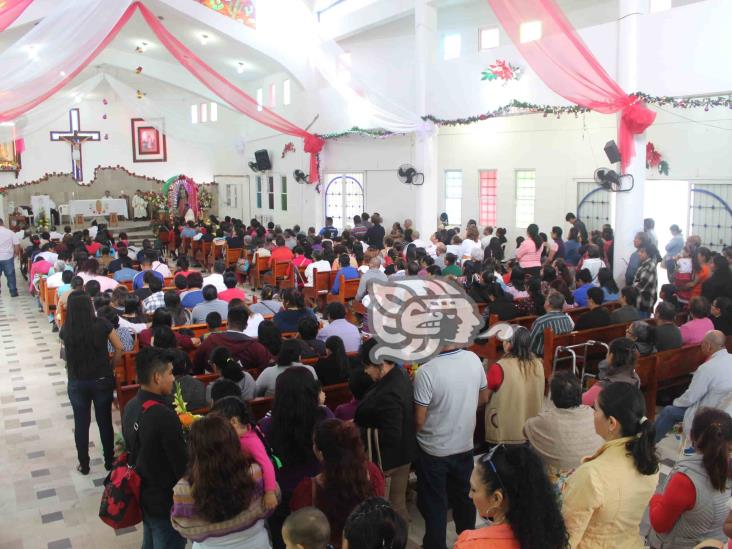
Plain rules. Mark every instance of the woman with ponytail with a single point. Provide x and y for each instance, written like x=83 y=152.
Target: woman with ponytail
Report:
x=347 y=478
x=619 y=366
x=509 y=486
x=605 y=498
x=693 y=505
x=530 y=250
x=224 y=364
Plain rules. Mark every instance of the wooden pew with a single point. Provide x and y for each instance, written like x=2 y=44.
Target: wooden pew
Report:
x=197 y=329
x=346 y=291
x=126 y=393
x=317 y=294
x=277 y=274
x=256 y=272
x=233 y=255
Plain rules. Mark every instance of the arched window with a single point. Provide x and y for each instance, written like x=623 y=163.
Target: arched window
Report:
x=343 y=198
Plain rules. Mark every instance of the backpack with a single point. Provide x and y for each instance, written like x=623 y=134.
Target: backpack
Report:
x=270 y=452
x=120 y=507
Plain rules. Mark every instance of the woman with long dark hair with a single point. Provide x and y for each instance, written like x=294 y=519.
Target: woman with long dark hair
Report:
x=289 y=429
x=619 y=366
x=606 y=497
x=347 y=479
x=515 y=389
x=294 y=310
x=719 y=284
x=693 y=505
x=219 y=502
x=608 y=285
x=510 y=487
x=91 y=375
x=334 y=367
x=530 y=250
x=721 y=315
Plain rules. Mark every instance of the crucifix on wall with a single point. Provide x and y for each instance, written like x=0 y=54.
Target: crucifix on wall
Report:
x=75 y=137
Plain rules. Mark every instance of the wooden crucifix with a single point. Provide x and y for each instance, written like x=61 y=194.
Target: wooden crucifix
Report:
x=75 y=137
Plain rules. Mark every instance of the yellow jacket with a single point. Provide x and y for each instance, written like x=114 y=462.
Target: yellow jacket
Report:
x=605 y=498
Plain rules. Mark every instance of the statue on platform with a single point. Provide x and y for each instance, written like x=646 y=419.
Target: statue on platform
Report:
x=182 y=202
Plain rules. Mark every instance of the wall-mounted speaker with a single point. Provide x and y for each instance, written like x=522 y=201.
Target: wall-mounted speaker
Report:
x=612 y=152
x=263 y=162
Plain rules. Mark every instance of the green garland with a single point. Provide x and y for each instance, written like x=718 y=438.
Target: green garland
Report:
x=523 y=107
x=376 y=133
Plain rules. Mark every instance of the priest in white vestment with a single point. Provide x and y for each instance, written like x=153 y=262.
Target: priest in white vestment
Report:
x=139 y=206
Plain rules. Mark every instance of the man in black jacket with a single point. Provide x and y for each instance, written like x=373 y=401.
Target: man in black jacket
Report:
x=375 y=233
x=388 y=408
x=156 y=437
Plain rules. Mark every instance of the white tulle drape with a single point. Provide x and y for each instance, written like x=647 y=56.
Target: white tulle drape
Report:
x=53 y=52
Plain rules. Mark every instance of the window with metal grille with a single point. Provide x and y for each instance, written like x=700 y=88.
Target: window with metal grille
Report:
x=283 y=193
x=487 y=198
x=270 y=192
x=454 y=196
x=259 y=191
x=525 y=196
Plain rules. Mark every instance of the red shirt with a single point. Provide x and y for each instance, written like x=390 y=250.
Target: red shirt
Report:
x=281 y=253
x=303 y=497
x=232 y=293
x=666 y=508
x=184 y=342
x=94 y=247
x=184 y=273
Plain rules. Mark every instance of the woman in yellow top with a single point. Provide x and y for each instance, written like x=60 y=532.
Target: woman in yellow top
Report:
x=509 y=486
x=605 y=498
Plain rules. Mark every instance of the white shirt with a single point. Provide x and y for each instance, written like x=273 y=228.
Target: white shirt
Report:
x=56 y=235
x=54 y=281
x=137 y=328
x=710 y=387
x=321 y=266
x=593 y=264
x=8 y=241
x=93 y=231
x=216 y=280
x=420 y=243
x=466 y=248
x=161 y=268
x=49 y=256
x=252 y=329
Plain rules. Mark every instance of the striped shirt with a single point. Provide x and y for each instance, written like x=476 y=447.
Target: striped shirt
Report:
x=559 y=323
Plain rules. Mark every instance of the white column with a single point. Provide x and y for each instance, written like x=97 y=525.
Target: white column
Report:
x=425 y=143
x=629 y=205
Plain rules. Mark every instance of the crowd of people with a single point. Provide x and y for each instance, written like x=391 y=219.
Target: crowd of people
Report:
x=576 y=470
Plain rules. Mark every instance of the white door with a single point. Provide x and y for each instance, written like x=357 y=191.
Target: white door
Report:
x=234 y=196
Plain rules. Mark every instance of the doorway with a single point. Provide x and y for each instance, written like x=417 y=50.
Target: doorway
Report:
x=667 y=203
x=233 y=196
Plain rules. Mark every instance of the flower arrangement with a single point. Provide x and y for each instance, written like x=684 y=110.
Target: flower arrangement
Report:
x=42 y=221
x=156 y=200
x=181 y=408
x=654 y=159
x=205 y=198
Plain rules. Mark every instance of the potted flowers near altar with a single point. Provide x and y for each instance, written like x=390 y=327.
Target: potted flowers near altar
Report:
x=205 y=201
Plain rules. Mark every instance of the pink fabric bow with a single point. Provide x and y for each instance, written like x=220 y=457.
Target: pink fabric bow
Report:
x=567 y=66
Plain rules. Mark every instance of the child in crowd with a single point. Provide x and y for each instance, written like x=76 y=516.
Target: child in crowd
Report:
x=213 y=323
x=306 y=528
x=251 y=440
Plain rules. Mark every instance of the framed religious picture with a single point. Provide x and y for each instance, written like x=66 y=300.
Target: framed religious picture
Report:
x=10 y=156
x=148 y=140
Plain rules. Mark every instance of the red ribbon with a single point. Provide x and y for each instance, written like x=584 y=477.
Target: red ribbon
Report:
x=313 y=146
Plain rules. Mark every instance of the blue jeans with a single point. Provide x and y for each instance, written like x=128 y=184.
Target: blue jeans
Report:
x=443 y=482
x=666 y=420
x=158 y=533
x=82 y=392
x=7 y=267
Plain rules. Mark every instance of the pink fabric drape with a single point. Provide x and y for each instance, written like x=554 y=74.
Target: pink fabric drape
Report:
x=567 y=66
x=10 y=10
x=227 y=91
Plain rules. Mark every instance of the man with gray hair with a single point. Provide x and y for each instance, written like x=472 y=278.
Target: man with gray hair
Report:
x=710 y=387
x=374 y=273
x=555 y=319
x=440 y=251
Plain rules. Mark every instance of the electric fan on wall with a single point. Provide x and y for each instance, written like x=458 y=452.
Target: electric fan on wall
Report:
x=409 y=175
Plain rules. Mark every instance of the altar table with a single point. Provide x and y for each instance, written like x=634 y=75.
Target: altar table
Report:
x=99 y=207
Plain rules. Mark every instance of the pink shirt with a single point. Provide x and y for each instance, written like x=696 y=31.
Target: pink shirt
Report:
x=590 y=395
x=252 y=446
x=528 y=255
x=105 y=283
x=694 y=331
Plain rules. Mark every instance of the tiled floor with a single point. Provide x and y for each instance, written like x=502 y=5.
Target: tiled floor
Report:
x=44 y=502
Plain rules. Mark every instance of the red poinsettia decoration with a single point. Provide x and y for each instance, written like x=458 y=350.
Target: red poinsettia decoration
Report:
x=654 y=159
x=501 y=70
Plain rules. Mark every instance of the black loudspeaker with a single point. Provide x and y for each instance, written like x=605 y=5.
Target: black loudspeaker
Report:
x=263 y=162
x=611 y=150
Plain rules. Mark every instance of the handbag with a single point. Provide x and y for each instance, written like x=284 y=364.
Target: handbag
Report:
x=120 y=506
